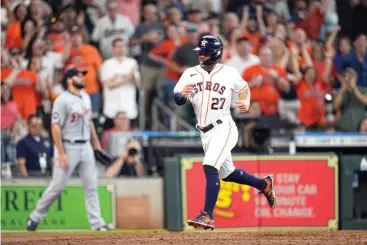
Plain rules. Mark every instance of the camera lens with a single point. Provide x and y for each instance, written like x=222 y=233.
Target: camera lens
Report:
x=133 y=152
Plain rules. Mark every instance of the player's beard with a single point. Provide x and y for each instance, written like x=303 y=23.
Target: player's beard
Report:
x=78 y=85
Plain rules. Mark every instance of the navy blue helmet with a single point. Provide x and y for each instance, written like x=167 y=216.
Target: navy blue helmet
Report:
x=212 y=47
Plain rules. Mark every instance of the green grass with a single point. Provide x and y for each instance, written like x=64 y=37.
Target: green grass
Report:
x=82 y=231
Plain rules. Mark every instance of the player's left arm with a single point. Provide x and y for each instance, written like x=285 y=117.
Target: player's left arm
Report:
x=242 y=88
x=94 y=138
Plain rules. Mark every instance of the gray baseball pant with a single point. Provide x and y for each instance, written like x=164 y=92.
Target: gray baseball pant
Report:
x=81 y=156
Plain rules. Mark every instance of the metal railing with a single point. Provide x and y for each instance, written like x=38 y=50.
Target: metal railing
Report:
x=165 y=119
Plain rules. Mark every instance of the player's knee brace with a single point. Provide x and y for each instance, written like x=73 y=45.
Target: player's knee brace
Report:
x=209 y=169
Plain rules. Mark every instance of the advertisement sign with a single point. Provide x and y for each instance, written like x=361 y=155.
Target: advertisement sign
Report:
x=306 y=189
x=67 y=212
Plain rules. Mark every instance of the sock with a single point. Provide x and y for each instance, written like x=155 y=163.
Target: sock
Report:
x=211 y=192
x=240 y=176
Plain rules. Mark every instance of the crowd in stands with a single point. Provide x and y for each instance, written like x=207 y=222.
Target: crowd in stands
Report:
x=305 y=62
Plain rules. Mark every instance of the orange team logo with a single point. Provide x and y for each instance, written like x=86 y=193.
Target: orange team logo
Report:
x=204 y=42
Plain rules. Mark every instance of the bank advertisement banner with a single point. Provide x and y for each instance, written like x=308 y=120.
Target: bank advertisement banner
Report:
x=67 y=212
x=306 y=189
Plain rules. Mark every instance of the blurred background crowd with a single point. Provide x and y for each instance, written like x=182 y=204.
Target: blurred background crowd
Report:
x=305 y=62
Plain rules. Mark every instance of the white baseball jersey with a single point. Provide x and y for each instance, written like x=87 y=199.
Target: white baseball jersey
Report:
x=212 y=93
x=211 y=100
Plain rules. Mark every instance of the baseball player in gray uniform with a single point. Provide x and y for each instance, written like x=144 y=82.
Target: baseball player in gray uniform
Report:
x=74 y=135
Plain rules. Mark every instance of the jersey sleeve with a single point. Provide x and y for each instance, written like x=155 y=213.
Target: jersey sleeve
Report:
x=21 y=149
x=59 y=112
x=239 y=85
x=182 y=82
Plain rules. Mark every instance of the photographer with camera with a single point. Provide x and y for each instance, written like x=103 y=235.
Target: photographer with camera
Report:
x=129 y=163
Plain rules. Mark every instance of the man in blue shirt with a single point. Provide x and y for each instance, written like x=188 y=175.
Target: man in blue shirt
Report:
x=34 y=152
x=357 y=59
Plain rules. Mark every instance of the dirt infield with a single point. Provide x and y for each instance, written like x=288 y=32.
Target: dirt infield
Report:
x=188 y=238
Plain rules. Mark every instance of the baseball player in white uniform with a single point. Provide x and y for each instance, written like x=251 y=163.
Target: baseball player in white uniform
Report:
x=209 y=88
x=73 y=132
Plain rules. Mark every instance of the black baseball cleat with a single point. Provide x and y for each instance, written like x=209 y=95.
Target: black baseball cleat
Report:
x=269 y=192
x=103 y=228
x=31 y=225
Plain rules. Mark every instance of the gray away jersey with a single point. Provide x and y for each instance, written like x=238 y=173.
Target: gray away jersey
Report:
x=73 y=113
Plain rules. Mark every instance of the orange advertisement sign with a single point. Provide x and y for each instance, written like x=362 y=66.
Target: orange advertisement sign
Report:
x=306 y=190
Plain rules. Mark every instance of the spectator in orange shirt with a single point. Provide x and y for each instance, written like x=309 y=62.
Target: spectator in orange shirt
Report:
x=323 y=64
x=58 y=34
x=13 y=33
x=312 y=20
x=311 y=95
x=23 y=85
x=163 y=53
x=266 y=81
x=86 y=57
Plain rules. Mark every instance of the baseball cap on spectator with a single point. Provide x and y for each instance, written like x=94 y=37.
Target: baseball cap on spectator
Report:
x=191 y=28
x=71 y=73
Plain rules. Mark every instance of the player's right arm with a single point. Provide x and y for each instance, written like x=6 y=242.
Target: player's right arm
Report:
x=58 y=119
x=182 y=89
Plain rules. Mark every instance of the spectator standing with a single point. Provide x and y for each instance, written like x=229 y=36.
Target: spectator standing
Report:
x=113 y=25
x=230 y=22
x=323 y=64
x=244 y=58
x=23 y=84
x=147 y=35
x=310 y=93
x=351 y=102
x=163 y=53
x=131 y=9
x=186 y=56
x=16 y=14
x=267 y=81
x=12 y=127
x=310 y=18
x=120 y=77
x=85 y=57
x=253 y=25
x=357 y=59
x=280 y=7
x=344 y=47
x=195 y=16
x=35 y=152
